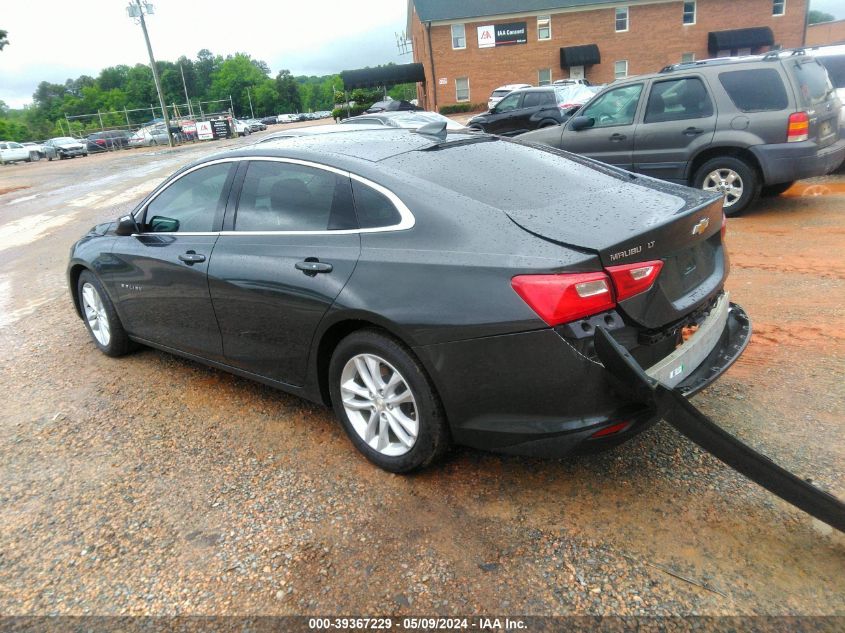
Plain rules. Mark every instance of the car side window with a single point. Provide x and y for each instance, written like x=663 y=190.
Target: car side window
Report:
x=531 y=99
x=373 y=208
x=547 y=98
x=755 y=90
x=615 y=107
x=678 y=99
x=511 y=102
x=191 y=203
x=278 y=196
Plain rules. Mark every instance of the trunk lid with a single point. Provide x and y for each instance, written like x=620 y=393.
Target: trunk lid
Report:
x=815 y=94
x=644 y=220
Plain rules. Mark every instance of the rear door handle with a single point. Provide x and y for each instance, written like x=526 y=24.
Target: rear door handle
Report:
x=192 y=257
x=617 y=137
x=311 y=266
x=693 y=131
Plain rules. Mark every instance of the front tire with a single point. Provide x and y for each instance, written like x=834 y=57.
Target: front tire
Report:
x=386 y=402
x=100 y=317
x=735 y=179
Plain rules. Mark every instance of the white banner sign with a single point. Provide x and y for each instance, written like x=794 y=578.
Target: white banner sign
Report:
x=486 y=36
x=204 y=132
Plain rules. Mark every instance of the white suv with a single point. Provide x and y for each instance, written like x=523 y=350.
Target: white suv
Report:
x=501 y=92
x=11 y=152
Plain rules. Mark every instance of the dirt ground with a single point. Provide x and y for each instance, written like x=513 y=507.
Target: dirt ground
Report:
x=153 y=485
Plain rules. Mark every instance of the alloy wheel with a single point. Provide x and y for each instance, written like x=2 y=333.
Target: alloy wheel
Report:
x=726 y=182
x=95 y=314
x=379 y=404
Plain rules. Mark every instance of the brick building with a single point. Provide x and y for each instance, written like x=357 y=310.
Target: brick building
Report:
x=826 y=33
x=470 y=47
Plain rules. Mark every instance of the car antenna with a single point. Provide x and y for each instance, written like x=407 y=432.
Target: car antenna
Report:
x=436 y=129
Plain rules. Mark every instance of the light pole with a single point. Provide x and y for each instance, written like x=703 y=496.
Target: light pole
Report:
x=251 y=113
x=137 y=10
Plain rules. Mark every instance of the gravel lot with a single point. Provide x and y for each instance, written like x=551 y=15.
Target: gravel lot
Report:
x=153 y=485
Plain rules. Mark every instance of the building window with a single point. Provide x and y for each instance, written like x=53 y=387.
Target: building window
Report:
x=459 y=36
x=689 y=12
x=544 y=77
x=620 y=69
x=687 y=58
x=778 y=7
x=462 y=89
x=621 y=19
x=544 y=27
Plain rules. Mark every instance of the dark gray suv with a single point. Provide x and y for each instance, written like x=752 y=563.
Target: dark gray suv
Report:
x=736 y=126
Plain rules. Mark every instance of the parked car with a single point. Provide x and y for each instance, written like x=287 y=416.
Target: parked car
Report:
x=422 y=286
x=270 y=120
x=527 y=109
x=149 y=136
x=393 y=105
x=255 y=125
x=35 y=146
x=108 y=140
x=571 y=82
x=403 y=119
x=11 y=152
x=64 y=147
x=833 y=59
x=501 y=92
x=287 y=118
x=242 y=128
x=731 y=126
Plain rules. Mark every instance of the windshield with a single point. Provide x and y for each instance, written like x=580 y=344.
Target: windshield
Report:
x=500 y=93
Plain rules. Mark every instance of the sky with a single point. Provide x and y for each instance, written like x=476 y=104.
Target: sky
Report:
x=53 y=40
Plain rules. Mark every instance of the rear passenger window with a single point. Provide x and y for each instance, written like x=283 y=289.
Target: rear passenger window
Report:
x=278 y=196
x=531 y=99
x=677 y=100
x=374 y=209
x=757 y=90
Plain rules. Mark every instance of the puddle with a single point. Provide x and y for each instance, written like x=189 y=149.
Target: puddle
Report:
x=801 y=190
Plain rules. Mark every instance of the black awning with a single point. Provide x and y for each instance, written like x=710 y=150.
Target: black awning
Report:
x=579 y=55
x=739 y=38
x=382 y=76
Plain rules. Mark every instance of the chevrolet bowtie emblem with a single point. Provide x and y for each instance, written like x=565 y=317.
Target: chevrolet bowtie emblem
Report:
x=702 y=225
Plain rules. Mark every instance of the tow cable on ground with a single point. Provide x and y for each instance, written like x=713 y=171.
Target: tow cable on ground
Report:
x=674 y=408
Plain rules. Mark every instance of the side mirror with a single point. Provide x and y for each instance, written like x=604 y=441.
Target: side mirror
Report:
x=581 y=123
x=127 y=226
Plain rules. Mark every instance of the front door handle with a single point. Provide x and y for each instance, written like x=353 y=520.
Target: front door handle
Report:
x=617 y=137
x=311 y=266
x=192 y=257
x=693 y=131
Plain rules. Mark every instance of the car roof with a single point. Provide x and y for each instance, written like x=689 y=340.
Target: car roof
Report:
x=512 y=87
x=317 y=130
x=358 y=143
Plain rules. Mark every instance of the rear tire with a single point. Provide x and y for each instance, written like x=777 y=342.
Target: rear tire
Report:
x=734 y=178
x=775 y=190
x=100 y=317
x=380 y=391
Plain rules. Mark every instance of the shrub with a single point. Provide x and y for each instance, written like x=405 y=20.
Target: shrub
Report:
x=462 y=107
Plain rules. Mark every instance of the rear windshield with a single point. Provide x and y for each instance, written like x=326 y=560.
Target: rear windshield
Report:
x=835 y=65
x=813 y=85
x=516 y=177
x=756 y=90
x=500 y=93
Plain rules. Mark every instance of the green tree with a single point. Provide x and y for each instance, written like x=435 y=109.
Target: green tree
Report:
x=288 y=89
x=205 y=66
x=237 y=73
x=3 y=39
x=815 y=16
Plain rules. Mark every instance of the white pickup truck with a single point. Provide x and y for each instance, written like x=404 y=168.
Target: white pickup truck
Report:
x=11 y=152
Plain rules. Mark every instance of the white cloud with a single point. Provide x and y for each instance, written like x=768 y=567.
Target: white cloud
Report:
x=55 y=40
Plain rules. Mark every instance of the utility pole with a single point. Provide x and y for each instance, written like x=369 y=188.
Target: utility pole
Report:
x=187 y=98
x=251 y=113
x=135 y=10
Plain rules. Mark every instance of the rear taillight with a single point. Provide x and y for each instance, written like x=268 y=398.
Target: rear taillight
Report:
x=798 y=128
x=565 y=297
x=632 y=279
x=566 y=106
x=613 y=429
